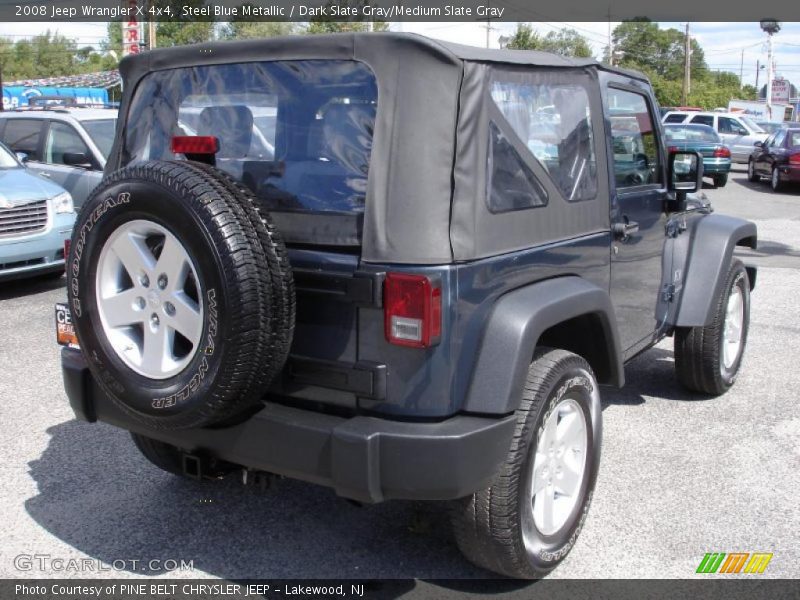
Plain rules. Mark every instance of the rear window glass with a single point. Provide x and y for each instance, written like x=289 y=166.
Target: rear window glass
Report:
x=552 y=120
x=675 y=118
x=102 y=133
x=298 y=133
x=697 y=133
x=794 y=138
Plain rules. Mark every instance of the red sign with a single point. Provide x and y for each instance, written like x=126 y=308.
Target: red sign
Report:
x=132 y=38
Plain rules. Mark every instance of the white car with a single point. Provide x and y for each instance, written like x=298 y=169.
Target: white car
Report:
x=738 y=132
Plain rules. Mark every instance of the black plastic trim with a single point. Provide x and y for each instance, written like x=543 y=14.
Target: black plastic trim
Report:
x=367 y=380
x=361 y=288
x=368 y=459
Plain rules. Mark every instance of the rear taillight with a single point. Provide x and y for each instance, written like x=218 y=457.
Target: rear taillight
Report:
x=194 y=144
x=794 y=159
x=412 y=310
x=722 y=152
x=66 y=248
x=673 y=149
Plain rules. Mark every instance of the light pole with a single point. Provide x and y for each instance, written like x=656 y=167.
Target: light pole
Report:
x=770 y=27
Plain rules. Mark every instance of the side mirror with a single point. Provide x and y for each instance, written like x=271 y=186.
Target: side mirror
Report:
x=685 y=172
x=77 y=159
x=743 y=132
x=758 y=144
x=22 y=156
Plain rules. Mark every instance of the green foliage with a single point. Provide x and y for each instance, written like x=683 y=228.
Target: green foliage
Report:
x=660 y=53
x=566 y=42
x=49 y=55
x=525 y=38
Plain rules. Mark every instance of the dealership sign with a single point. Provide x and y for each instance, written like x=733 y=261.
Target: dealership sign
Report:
x=132 y=34
x=781 y=91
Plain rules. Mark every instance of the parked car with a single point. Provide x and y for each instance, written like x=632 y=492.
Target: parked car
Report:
x=738 y=132
x=36 y=216
x=406 y=301
x=702 y=139
x=771 y=126
x=777 y=158
x=66 y=145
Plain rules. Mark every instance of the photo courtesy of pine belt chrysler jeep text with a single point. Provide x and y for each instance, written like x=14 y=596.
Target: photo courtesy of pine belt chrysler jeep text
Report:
x=398 y=268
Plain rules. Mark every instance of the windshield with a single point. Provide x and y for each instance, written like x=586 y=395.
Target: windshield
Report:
x=691 y=134
x=7 y=159
x=752 y=125
x=102 y=133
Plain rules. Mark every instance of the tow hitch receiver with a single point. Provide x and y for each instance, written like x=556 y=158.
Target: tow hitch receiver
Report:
x=199 y=467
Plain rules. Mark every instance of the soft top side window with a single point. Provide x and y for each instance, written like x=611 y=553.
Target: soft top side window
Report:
x=549 y=114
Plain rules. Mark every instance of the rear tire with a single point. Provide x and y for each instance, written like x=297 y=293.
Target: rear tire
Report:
x=506 y=528
x=752 y=177
x=775 y=180
x=707 y=359
x=720 y=180
x=173 y=295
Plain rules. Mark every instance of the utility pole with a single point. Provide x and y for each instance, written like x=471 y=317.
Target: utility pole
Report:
x=687 y=68
x=741 y=72
x=758 y=71
x=770 y=27
x=151 y=33
x=610 y=40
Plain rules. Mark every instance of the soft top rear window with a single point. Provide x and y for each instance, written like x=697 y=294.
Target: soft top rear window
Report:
x=298 y=133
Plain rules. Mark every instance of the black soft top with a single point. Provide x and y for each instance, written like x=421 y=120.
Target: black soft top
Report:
x=425 y=200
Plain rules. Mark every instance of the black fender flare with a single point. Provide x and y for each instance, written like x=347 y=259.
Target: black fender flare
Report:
x=514 y=328
x=712 y=242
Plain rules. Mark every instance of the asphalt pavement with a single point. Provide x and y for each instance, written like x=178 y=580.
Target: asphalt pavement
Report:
x=680 y=475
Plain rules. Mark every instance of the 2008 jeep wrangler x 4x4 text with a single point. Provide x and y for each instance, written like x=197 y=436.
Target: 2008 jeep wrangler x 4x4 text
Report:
x=398 y=268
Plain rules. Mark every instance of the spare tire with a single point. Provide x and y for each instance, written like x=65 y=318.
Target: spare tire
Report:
x=173 y=290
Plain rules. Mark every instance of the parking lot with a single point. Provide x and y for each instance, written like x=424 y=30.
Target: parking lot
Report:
x=680 y=475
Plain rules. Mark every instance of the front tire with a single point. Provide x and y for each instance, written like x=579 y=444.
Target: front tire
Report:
x=707 y=359
x=529 y=519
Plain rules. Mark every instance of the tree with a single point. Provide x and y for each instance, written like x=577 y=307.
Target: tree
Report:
x=566 y=42
x=525 y=38
x=643 y=45
x=48 y=55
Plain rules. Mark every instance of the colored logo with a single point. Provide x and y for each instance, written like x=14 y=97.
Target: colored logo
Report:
x=735 y=562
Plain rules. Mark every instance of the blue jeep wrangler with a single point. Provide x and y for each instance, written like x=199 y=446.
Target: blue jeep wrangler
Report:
x=398 y=268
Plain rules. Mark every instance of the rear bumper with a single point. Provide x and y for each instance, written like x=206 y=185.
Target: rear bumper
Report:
x=789 y=173
x=716 y=166
x=364 y=458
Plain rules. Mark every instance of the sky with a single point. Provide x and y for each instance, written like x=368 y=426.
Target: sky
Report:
x=728 y=46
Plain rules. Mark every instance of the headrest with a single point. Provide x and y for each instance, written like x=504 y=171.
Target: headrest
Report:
x=347 y=132
x=233 y=125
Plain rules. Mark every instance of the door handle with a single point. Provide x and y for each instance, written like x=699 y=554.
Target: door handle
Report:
x=624 y=229
x=45 y=174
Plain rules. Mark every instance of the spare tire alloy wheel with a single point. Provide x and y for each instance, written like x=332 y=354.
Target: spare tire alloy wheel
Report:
x=148 y=300
x=172 y=295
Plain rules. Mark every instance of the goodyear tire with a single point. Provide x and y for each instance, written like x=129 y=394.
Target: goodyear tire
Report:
x=173 y=294
x=707 y=359
x=529 y=519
